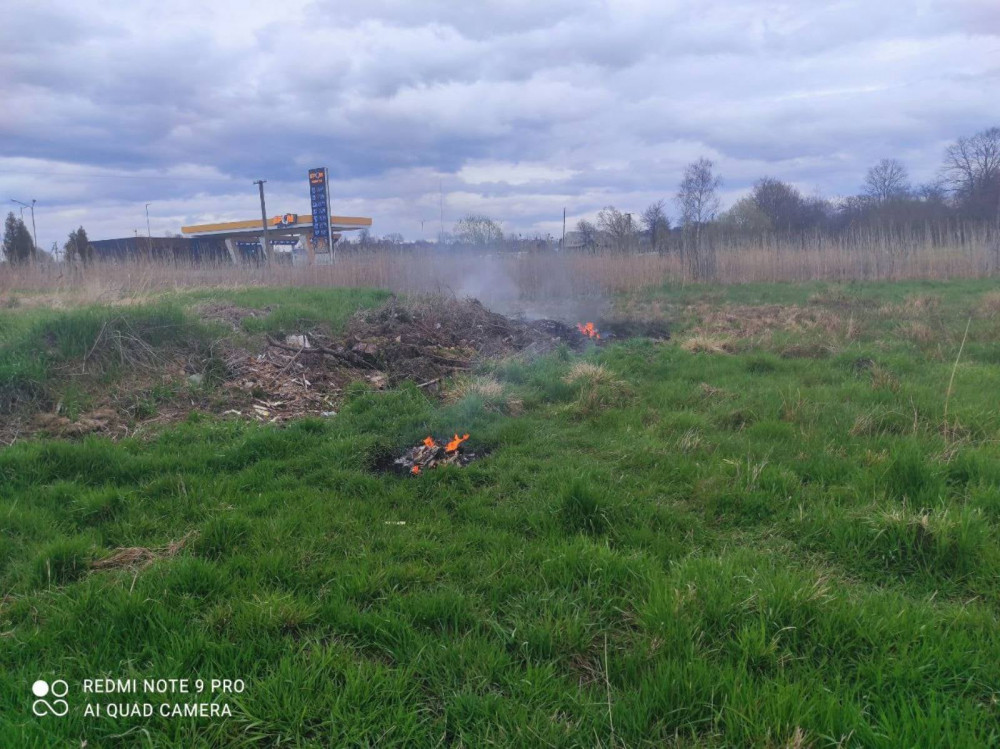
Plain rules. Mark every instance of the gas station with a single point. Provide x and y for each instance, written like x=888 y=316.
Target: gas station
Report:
x=296 y=239
x=291 y=236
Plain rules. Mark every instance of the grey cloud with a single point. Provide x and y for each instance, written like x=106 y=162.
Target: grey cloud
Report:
x=397 y=97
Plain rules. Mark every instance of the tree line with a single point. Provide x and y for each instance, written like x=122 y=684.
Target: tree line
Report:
x=967 y=189
x=19 y=246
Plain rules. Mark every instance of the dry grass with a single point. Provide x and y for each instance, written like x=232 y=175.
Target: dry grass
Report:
x=490 y=390
x=709 y=344
x=713 y=393
x=920 y=333
x=883 y=379
x=484 y=387
x=598 y=388
x=595 y=374
x=512 y=277
x=989 y=306
x=138 y=557
x=758 y=323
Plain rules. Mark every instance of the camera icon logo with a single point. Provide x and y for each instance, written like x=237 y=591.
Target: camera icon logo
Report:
x=42 y=689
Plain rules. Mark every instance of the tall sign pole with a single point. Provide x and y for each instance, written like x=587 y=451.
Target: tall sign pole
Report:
x=263 y=220
x=319 y=199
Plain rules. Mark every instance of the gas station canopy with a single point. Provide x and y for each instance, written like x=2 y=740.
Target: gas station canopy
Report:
x=288 y=223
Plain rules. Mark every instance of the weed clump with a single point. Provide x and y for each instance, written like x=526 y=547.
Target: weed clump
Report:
x=62 y=561
x=598 y=388
x=949 y=544
x=581 y=510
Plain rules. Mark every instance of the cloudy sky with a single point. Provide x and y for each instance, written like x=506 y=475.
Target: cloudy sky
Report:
x=512 y=108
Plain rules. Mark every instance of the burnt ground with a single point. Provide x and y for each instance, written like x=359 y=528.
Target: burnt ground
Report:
x=305 y=372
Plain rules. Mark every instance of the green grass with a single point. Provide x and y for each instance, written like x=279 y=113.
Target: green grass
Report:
x=49 y=356
x=293 y=309
x=799 y=552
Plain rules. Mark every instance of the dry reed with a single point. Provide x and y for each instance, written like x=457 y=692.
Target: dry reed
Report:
x=534 y=276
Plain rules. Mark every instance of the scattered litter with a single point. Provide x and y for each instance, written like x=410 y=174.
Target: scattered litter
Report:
x=299 y=341
x=394 y=522
x=196 y=379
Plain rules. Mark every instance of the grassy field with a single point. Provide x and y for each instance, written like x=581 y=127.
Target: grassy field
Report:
x=778 y=529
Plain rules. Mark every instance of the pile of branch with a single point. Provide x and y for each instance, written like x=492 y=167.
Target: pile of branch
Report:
x=433 y=454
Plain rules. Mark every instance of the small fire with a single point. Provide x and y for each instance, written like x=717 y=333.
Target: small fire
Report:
x=415 y=470
x=429 y=442
x=453 y=445
x=588 y=330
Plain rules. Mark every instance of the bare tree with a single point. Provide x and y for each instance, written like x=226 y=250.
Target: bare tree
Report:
x=887 y=180
x=972 y=171
x=657 y=225
x=588 y=235
x=479 y=231
x=698 y=200
x=780 y=202
x=618 y=226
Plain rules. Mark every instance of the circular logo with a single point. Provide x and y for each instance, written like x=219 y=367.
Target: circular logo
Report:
x=57 y=707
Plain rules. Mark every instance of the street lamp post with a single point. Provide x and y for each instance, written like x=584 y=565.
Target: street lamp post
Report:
x=149 y=236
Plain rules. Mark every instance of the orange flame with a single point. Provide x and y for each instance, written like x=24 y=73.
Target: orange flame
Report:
x=429 y=442
x=453 y=445
x=415 y=470
x=588 y=330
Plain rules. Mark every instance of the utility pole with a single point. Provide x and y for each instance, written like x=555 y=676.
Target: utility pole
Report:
x=263 y=221
x=34 y=234
x=562 y=244
x=149 y=237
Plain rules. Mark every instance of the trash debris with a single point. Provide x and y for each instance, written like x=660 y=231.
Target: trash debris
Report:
x=430 y=453
x=299 y=341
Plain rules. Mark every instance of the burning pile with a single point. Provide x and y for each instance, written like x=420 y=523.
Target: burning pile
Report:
x=588 y=330
x=431 y=454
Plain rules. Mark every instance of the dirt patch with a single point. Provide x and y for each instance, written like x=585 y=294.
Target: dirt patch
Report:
x=101 y=420
x=230 y=314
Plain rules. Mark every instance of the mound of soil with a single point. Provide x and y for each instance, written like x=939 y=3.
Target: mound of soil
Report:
x=424 y=341
x=431 y=338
